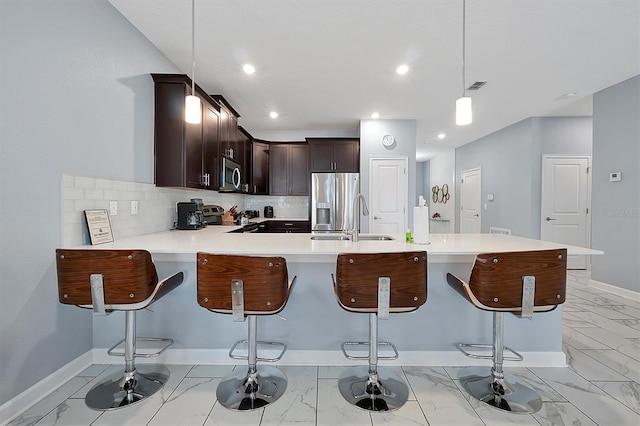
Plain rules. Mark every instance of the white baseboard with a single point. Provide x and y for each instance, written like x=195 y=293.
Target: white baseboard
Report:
x=20 y=403
x=629 y=294
x=336 y=358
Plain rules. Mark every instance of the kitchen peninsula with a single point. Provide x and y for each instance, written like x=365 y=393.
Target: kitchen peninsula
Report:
x=316 y=325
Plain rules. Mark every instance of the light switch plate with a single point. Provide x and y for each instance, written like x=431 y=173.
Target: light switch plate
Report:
x=615 y=177
x=113 y=208
x=134 y=207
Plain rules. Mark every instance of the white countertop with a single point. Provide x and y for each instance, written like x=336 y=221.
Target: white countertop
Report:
x=183 y=245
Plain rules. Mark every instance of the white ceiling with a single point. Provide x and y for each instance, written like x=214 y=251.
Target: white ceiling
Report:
x=326 y=64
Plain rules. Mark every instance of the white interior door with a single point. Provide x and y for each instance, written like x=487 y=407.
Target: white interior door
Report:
x=388 y=192
x=565 y=203
x=470 y=202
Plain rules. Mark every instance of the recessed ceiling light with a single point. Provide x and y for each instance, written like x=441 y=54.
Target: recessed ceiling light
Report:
x=248 y=69
x=375 y=115
x=402 y=69
x=441 y=135
x=273 y=114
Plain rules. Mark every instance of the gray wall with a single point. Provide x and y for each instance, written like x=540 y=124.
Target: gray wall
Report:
x=511 y=159
x=616 y=205
x=443 y=170
x=422 y=179
x=371 y=133
x=76 y=98
x=506 y=158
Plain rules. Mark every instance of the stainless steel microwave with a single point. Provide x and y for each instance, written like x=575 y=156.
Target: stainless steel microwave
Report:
x=230 y=177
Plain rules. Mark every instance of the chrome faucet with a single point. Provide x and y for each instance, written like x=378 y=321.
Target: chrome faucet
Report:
x=356 y=215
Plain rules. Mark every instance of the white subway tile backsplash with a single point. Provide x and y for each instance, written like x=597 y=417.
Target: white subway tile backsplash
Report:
x=119 y=185
x=156 y=206
x=84 y=182
x=81 y=205
x=73 y=193
x=93 y=194
x=69 y=218
x=67 y=181
x=104 y=184
x=110 y=194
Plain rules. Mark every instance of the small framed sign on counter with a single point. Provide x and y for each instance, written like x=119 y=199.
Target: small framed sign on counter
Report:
x=99 y=226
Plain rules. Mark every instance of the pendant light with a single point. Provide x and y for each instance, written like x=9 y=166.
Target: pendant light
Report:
x=192 y=106
x=464 y=113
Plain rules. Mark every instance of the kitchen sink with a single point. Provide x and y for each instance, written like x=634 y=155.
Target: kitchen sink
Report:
x=330 y=237
x=361 y=237
x=373 y=237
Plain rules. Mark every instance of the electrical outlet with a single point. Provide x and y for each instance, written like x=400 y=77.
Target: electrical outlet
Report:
x=113 y=208
x=134 y=207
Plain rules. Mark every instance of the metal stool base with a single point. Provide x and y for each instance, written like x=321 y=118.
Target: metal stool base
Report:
x=123 y=389
x=384 y=391
x=242 y=390
x=508 y=394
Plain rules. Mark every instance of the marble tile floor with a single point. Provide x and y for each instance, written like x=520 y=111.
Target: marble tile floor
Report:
x=601 y=386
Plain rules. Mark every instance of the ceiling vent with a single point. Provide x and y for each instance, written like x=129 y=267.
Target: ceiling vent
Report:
x=477 y=85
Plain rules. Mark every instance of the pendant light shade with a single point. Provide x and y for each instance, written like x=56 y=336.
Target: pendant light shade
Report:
x=464 y=113
x=192 y=109
x=192 y=105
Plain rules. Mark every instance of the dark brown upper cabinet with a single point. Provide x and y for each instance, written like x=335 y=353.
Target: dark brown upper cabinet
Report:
x=243 y=145
x=288 y=169
x=228 y=130
x=334 y=155
x=260 y=167
x=185 y=154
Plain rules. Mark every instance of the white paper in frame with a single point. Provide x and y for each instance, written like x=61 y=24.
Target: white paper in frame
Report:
x=99 y=226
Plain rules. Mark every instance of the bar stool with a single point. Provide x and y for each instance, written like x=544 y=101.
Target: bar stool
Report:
x=378 y=284
x=521 y=283
x=117 y=280
x=246 y=286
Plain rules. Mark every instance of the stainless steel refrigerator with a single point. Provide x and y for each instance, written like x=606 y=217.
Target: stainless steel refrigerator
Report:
x=331 y=203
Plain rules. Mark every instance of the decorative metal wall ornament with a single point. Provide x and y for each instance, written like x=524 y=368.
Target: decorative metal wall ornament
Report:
x=440 y=195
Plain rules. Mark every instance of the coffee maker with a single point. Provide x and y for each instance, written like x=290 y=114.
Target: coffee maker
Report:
x=190 y=214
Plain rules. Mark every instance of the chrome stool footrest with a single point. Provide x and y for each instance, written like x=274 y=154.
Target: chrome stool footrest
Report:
x=391 y=345
x=516 y=356
x=259 y=342
x=166 y=343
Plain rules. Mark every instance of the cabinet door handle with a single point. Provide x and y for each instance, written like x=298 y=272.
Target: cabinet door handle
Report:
x=377 y=218
x=548 y=218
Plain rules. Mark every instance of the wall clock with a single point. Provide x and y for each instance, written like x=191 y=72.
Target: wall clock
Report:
x=388 y=140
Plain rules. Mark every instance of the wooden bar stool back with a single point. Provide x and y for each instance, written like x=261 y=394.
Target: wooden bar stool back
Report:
x=117 y=280
x=520 y=283
x=246 y=287
x=378 y=284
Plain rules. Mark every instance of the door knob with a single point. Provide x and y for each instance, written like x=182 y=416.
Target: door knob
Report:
x=477 y=215
x=548 y=218
x=377 y=218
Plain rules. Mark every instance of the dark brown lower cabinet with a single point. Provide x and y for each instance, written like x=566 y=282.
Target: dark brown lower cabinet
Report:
x=284 y=226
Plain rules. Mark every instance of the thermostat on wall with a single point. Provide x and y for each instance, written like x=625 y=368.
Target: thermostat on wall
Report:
x=615 y=177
